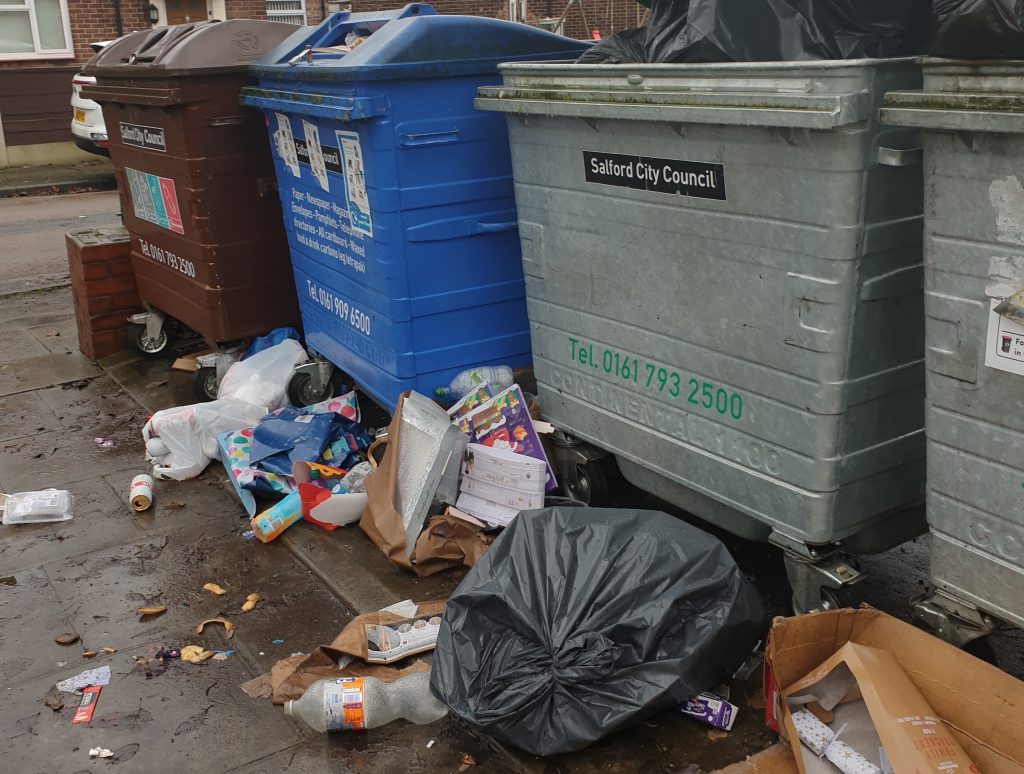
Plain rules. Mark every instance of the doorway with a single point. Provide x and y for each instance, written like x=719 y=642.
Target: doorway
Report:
x=185 y=11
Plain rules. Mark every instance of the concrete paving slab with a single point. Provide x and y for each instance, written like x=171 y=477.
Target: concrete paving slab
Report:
x=102 y=519
x=18 y=345
x=31 y=616
x=399 y=747
x=100 y=407
x=188 y=719
x=59 y=337
x=185 y=507
x=44 y=371
x=38 y=307
x=58 y=458
x=23 y=414
x=150 y=381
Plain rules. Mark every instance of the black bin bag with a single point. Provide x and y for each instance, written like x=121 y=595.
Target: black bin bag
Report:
x=979 y=29
x=580 y=621
x=770 y=31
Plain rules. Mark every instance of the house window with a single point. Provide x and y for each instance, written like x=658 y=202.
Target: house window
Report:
x=35 y=29
x=288 y=11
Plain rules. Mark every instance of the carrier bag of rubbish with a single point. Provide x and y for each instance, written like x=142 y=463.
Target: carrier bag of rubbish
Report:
x=580 y=621
x=979 y=29
x=769 y=31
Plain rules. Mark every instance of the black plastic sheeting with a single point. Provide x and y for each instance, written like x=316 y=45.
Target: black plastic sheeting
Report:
x=770 y=31
x=979 y=29
x=580 y=621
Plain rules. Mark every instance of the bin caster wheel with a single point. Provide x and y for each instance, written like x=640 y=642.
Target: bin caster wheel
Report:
x=831 y=599
x=150 y=347
x=301 y=392
x=205 y=383
x=588 y=483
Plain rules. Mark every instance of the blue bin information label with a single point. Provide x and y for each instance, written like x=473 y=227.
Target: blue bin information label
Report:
x=323 y=227
x=315 y=154
x=347 y=312
x=285 y=141
x=355 y=182
x=154 y=199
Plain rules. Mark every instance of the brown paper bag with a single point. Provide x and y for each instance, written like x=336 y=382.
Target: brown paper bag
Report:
x=441 y=545
x=879 y=706
x=290 y=677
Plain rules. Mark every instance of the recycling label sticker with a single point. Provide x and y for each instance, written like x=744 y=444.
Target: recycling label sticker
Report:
x=154 y=199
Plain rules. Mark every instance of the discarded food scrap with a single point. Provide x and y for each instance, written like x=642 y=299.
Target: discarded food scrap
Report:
x=152 y=611
x=250 y=602
x=213 y=588
x=195 y=654
x=70 y=638
x=229 y=628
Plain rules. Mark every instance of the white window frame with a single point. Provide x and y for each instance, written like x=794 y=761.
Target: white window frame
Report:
x=274 y=16
x=38 y=52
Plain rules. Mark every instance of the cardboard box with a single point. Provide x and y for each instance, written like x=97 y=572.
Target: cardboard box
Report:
x=982 y=705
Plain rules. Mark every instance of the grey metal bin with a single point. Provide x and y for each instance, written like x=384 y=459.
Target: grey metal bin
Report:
x=972 y=117
x=723 y=274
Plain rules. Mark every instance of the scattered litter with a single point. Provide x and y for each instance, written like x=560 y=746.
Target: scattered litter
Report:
x=167 y=653
x=62 y=663
x=404 y=609
x=68 y=638
x=258 y=687
x=140 y=493
x=262 y=653
x=88 y=654
x=98 y=676
x=100 y=752
x=213 y=588
x=276 y=519
x=222 y=655
x=37 y=507
x=468 y=761
x=278 y=642
x=195 y=654
x=54 y=699
x=249 y=534
x=151 y=612
x=430 y=744
x=250 y=602
x=174 y=505
x=8 y=580
x=105 y=443
x=108 y=651
x=87 y=706
x=717 y=734
x=229 y=628
x=712 y=709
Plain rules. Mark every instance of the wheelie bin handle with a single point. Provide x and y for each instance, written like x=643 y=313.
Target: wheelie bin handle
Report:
x=320 y=105
x=493 y=228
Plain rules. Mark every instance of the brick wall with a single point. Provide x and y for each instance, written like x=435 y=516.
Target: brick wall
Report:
x=246 y=9
x=103 y=289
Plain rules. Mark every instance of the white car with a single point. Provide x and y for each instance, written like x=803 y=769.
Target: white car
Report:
x=87 y=126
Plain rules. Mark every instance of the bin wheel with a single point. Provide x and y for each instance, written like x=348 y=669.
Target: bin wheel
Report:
x=205 y=383
x=148 y=347
x=588 y=483
x=831 y=599
x=301 y=392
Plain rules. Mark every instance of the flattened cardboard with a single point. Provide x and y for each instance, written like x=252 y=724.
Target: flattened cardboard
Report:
x=982 y=705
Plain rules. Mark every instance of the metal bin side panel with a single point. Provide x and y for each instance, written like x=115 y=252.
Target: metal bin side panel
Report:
x=763 y=349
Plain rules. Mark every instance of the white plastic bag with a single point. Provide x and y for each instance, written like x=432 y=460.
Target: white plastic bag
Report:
x=37 y=507
x=263 y=378
x=181 y=441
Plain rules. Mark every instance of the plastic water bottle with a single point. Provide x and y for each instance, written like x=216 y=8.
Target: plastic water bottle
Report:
x=355 y=703
x=498 y=377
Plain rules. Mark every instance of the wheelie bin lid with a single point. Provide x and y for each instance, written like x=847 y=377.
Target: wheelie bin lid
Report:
x=409 y=43
x=201 y=48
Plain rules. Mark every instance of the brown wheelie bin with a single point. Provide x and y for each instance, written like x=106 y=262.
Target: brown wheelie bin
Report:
x=196 y=178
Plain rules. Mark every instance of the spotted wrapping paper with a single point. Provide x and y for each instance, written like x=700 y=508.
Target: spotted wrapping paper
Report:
x=821 y=740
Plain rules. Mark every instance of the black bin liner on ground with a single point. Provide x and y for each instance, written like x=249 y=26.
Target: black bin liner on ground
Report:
x=770 y=31
x=580 y=621
x=979 y=29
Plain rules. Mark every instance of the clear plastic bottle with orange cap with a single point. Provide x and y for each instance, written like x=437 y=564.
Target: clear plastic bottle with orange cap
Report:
x=356 y=703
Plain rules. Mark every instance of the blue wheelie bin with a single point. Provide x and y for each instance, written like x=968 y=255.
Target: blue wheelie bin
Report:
x=398 y=195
